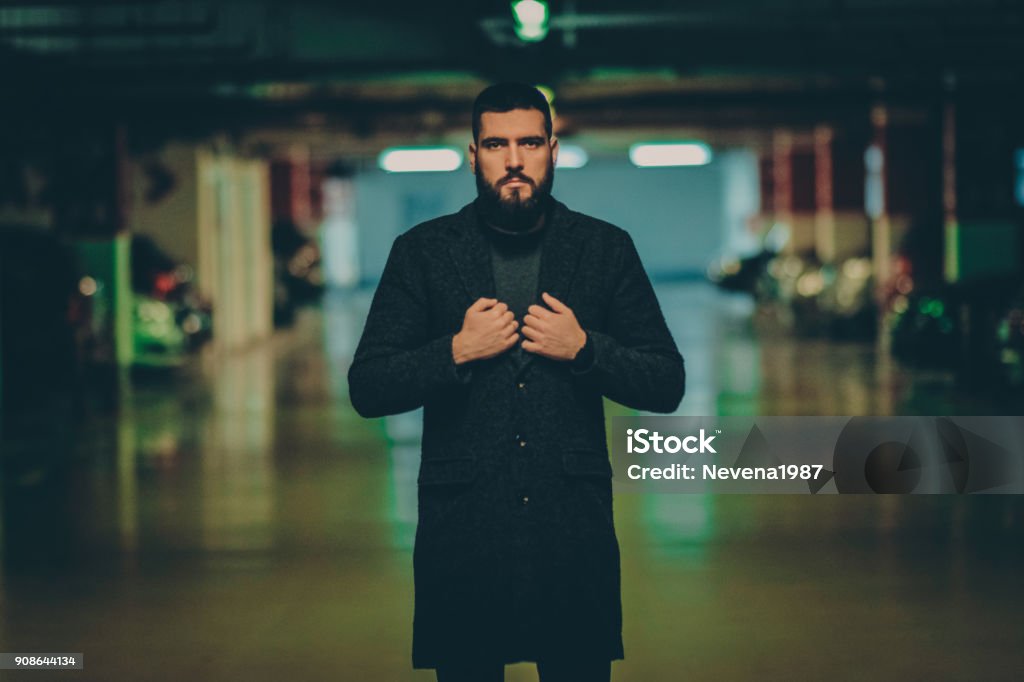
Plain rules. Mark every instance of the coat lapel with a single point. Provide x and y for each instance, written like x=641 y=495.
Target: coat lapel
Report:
x=561 y=255
x=471 y=255
x=559 y=259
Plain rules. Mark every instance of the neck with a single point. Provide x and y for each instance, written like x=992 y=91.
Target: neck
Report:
x=537 y=227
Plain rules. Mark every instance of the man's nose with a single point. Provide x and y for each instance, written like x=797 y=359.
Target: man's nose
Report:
x=514 y=158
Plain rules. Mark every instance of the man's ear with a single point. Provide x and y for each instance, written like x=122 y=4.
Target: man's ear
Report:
x=472 y=157
x=554 y=150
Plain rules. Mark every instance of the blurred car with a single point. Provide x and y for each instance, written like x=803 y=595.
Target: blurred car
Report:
x=964 y=326
x=790 y=286
x=170 y=318
x=821 y=298
x=739 y=274
x=924 y=330
x=1010 y=337
x=917 y=263
x=158 y=339
x=298 y=272
x=847 y=300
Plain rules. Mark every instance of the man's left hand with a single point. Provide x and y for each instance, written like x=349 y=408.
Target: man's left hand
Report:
x=553 y=333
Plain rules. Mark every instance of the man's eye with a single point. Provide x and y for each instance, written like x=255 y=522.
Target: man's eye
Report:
x=492 y=145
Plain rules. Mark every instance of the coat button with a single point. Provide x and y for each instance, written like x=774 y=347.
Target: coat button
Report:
x=522 y=443
x=526 y=500
x=522 y=385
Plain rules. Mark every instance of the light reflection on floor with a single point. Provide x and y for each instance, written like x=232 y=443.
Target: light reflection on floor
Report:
x=242 y=522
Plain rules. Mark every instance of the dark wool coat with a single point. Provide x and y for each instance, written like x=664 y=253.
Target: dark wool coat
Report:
x=516 y=557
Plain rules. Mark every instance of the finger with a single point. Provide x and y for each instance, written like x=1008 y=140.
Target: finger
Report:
x=531 y=346
x=538 y=310
x=509 y=329
x=500 y=308
x=511 y=341
x=533 y=321
x=555 y=304
x=482 y=304
x=532 y=333
x=508 y=316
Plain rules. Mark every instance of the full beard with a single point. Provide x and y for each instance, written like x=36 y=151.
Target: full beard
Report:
x=513 y=213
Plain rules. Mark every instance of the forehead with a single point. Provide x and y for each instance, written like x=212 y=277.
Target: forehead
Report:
x=512 y=124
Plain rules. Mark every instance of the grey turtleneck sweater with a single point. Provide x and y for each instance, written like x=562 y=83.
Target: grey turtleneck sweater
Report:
x=515 y=257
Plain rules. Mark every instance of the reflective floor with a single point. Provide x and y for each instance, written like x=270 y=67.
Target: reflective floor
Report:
x=238 y=521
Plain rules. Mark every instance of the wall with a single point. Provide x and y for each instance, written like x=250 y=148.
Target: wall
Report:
x=171 y=220
x=678 y=217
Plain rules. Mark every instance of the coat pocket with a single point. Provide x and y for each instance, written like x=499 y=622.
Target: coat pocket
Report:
x=588 y=491
x=446 y=500
x=447 y=471
x=589 y=462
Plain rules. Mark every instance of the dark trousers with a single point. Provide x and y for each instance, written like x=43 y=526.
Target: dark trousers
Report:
x=549 y=671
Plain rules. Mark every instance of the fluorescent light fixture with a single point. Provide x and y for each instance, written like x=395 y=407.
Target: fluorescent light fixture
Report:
x=419 y=159
x=659 y=154
x=571 y=156
x=531 y=33
x=531 y=20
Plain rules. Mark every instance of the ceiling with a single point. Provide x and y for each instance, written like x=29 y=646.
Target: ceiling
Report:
x=367 y=66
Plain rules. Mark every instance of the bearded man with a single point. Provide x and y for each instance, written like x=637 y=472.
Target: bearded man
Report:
x=509 y=322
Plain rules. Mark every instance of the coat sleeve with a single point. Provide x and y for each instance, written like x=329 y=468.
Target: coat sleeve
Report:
x=635 y=362
x=397 y=366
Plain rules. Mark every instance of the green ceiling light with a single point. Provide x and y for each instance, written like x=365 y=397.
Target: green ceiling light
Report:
x=531 y=20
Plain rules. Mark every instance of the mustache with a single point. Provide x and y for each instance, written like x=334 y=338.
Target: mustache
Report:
x=517 y=176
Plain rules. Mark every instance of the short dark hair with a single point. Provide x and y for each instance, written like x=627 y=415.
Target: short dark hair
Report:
x=504 y=97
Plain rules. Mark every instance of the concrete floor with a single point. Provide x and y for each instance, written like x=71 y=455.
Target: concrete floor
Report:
x=238 y=521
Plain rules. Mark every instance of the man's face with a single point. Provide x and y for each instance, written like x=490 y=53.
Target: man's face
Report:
x=513 y=161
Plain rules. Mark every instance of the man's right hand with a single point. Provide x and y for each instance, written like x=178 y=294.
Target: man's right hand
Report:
x=489 y=329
